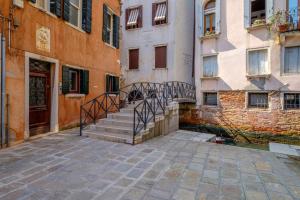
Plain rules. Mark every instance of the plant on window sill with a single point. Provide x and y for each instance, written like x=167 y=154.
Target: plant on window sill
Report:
x=278 y=22
x=209 y=33
x=259 y=22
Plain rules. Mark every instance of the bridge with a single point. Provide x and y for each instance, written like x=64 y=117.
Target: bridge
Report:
x=136 y=112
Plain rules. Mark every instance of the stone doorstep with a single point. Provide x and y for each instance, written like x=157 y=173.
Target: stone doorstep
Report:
x=291 y=150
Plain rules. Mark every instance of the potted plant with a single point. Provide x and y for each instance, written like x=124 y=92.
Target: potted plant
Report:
x=279 y=22
x=259 y=22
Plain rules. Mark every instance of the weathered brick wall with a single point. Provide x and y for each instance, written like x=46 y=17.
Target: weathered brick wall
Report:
x=232 y=112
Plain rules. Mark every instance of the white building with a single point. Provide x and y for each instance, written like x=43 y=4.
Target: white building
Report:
x=246 y=75
x=158 y=38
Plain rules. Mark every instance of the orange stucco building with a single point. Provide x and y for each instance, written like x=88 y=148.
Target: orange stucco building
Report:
x=59 y=56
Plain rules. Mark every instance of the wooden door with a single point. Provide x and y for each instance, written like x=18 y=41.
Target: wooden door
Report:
x=39 y=97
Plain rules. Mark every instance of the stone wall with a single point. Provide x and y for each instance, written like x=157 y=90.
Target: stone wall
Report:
x=232 y=112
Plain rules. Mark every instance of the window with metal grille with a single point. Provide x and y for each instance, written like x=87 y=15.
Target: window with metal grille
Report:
x=292 y=101
x=258 y=100
x=210 y=98
x=134 y=18
x=159 y=13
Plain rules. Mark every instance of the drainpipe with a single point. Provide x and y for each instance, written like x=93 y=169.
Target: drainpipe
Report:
x=2 y=106
x=194 y=41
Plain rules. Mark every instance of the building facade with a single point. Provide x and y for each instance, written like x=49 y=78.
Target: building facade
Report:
x=157 y=43
x=247 y=74
x=59 y=55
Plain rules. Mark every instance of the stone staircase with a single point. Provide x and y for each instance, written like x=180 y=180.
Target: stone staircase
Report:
x=118 y=127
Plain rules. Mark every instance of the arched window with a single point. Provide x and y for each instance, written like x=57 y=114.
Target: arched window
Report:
x=210 y=17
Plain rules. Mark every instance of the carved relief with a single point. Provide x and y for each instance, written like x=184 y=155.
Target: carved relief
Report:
x=43 y=38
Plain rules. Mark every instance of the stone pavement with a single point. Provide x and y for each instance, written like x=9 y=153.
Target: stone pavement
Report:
x=66 y=166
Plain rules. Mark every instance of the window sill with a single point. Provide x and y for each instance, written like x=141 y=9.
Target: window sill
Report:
x=266 y=76
x=212 y=36
x=109 y=45
x=210 y=78
x=257 y=27
x=159 y=25
x=43 y=10
x=253 y=109
x=290 y=74
x=73 y=95
x=160 y=68
x=132 y=70
x=133 y=29
x=75 y=27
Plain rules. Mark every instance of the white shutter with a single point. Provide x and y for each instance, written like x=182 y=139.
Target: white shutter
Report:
x=262 y=62
x=200 y=19
x=269 y=9
x=247 y=8
x=210 y=66
x=218 y=16
x=252 y=68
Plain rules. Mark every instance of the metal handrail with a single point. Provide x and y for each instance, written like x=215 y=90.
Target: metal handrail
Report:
x=152 y=98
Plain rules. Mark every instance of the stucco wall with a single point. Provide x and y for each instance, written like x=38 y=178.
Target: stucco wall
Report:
x=231 y=48
x=177 y=35
x=69 y=46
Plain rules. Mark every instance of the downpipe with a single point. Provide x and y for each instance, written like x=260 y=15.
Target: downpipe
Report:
x=2 y=109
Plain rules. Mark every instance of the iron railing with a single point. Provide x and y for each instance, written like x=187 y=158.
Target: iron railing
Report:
x=293 y=19
x=151 y=99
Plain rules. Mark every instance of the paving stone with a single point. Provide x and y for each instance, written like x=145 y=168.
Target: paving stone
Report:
x=190 y=180
x=98 y=186
x=276 y=187
x=135 y=173
x=279 y=196
x=295 y=191
x=123 y=167
x=111 y=194
x=80 y=195
x=134 y=194
x=124 y=182
x=152 y=174
x=183 y=194
x=256 y=195
x=159 y=194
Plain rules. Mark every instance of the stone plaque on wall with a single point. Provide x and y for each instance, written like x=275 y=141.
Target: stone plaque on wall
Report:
x=43 y=38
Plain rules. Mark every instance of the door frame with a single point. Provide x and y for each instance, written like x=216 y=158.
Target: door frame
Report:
x=54 y=71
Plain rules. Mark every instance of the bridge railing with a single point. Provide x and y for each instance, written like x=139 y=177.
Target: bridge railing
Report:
x=151 y=99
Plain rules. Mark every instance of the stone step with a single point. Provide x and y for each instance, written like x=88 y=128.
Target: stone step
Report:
x=112 y=129
x=112 y=137
x=115 y=122
x=131 y=110
x=121 y=116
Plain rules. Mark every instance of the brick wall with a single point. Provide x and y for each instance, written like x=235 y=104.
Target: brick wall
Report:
x=232 y=112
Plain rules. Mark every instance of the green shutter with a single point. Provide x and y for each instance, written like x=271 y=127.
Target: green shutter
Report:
x=32 y=1
x=84 y=82
x=107 y=83
x=116 y=84
x=56 y=7
x=105 y=33
x=65 y=80
x=66 y=10
x=116 y=31
x=87 y=15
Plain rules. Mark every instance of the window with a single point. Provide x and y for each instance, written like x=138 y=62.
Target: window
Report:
x=258 y=11
x=292 y=101
x=112 y=83
x=210 y=17
x=159 y=13
x=75 y=81
x=133 y=58
x=258 y=100
x=49 y=5
x=110 y=32
x=134 y=18
x=294 y=14
x=258 y=62
x=292 y=60
x=210 y=98
x=210 y=66
x=75 y=12
x=161 y=57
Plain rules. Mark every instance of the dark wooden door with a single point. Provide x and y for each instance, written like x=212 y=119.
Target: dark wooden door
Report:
x=39 y=97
